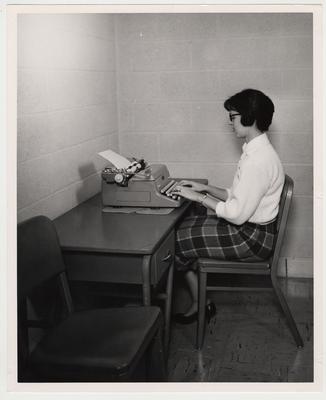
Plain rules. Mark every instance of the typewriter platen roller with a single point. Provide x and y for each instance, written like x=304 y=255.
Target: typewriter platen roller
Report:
x=141 y=186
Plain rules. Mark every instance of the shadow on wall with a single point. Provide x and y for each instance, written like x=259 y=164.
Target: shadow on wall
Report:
x=89 y=182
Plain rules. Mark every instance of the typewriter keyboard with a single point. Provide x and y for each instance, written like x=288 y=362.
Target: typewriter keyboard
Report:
x=168 y=188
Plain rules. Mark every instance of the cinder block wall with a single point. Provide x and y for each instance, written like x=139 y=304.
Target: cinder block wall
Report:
x=67 y=109
x=158 y=92
x=174 y=73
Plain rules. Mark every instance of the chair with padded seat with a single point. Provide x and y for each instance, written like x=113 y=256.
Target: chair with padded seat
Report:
x=97 y=345
x=267 y=270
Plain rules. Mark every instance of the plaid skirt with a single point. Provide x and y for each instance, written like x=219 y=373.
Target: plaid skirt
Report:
x=212 y=237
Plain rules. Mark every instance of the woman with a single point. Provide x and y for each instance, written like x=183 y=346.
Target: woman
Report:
x=243 y=226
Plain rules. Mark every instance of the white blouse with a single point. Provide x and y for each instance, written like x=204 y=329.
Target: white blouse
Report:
x=257 y=185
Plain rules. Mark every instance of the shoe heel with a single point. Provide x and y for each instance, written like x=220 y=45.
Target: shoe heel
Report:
x=210 y=311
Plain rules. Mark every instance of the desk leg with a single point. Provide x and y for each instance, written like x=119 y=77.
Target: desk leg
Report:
x=168 y=303
x=146 y=280
x=167 y=296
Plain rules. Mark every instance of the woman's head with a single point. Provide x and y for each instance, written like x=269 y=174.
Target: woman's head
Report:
x=253 y=106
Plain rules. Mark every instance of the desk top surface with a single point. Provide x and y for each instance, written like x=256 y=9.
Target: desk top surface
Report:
x=87 y=228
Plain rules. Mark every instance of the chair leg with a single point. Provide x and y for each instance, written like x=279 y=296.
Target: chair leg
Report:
x=156 y=368
x=287 y=312
x=201 y=308
x=168 y=303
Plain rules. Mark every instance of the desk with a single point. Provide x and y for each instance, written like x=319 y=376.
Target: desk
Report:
x=120 y=248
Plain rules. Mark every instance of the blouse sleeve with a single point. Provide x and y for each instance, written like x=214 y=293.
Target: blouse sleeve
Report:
x=244 y=196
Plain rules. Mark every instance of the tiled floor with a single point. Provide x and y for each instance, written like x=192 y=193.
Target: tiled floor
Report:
x=248 y=340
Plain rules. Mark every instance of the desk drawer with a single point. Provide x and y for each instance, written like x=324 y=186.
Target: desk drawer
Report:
x=119 y=268
x=162 y=258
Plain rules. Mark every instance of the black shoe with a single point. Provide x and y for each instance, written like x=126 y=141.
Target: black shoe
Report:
x=189 y=319
x=185 y=319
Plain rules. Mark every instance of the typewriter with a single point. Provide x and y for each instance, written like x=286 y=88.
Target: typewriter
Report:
x=139 y=185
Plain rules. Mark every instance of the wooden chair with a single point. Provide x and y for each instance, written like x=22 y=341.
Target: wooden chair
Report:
x=266 y=269
x=113 y=344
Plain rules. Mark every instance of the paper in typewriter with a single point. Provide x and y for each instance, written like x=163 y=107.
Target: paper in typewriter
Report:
x=116 y=159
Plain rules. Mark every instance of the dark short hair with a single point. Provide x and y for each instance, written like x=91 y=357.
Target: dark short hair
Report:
x=253 y=105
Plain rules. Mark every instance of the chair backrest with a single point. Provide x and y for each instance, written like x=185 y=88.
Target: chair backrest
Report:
x=39 y=260
x=283 y=213
x=38 y=254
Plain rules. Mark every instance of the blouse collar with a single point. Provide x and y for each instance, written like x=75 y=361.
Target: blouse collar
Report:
x=256 y=143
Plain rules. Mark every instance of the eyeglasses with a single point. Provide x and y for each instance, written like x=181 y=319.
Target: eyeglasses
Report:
x=231 y=116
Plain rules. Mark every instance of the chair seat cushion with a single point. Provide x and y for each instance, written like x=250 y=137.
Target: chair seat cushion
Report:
x=109 y=339
x=211 y=262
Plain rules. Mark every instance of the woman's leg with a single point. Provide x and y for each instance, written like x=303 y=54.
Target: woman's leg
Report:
x=192 y=282
x=197 y=237
x=211 y=237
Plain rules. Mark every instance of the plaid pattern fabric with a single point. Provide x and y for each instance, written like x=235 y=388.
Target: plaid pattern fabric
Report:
x=212 y=237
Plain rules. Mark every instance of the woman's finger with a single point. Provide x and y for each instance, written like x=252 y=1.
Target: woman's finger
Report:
x=186 y=183
x=182 y=182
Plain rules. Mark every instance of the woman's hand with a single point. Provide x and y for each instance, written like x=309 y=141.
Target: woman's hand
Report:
x=187 y=193
x=196 y=186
